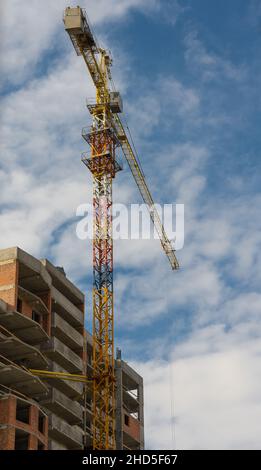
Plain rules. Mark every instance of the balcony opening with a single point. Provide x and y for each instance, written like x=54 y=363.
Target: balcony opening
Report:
x=41 y=421
x=22 y=413
x=40 y=446
x=19 y=305
x=21 y=441
x=127 y=420
x=36 y=317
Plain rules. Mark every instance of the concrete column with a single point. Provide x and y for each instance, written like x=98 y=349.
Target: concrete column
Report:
x=119 y=398
x=141 y=414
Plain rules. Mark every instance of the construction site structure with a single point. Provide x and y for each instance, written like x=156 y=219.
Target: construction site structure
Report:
x=105 y=136
x=129 y=406
x=45 y=354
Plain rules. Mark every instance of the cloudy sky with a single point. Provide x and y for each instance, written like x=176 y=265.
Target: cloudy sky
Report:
x=189 y=72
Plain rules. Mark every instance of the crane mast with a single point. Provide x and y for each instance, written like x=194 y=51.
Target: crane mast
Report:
x=104 y=136
x=103 y=166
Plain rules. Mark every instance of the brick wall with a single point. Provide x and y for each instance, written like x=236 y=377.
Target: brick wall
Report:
x=7 y=438
x=8 y=407
x=9 y=282
x=26 y=309
x=133 y=429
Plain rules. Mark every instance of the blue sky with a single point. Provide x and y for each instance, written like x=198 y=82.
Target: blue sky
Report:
x=189 y=72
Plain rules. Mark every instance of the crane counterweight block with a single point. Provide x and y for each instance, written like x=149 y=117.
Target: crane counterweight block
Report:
x=76 y=25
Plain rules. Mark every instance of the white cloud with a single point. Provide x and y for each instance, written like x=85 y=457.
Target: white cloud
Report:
x=38 y=212
x=42 y=178
x=147 y=113
x=33 y=28
x=46 y=116
x=78 y=259
x=211 y=66
x=215 y=390
x=27 y=31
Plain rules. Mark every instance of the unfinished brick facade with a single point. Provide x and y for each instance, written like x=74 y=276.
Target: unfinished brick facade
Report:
x=129 y=407
x=9 y=281
x=23 y=425
x=42 y=327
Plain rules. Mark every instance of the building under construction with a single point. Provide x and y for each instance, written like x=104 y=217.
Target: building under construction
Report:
x=42 y=329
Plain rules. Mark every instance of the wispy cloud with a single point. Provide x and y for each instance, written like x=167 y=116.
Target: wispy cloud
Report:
x=37 y=29
x=210 y=65
x=215 y=389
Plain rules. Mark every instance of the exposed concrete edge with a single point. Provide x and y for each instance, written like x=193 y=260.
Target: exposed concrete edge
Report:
x=33 y=351
x=63 y=279
x=33 y=299
x=28 y=324
x=6 y=364
x=76 y=314
x=24 y=399
x=3 y=306
x=16 y=253
x=131 y=372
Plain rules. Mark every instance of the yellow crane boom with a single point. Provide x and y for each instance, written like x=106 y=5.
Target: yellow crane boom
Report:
x=85 y=45
x=144 y=190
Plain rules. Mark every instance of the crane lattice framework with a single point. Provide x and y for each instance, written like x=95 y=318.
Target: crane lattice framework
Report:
x=104 y=136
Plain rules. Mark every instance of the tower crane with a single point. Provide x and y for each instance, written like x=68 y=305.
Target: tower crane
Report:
x=106 y=134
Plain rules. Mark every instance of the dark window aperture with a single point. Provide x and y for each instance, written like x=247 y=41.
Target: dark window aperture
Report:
x=21 y=442
x=23 y=414
x=40 y=446
x=36 y=317
x=19 y=305
x=41 y=421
